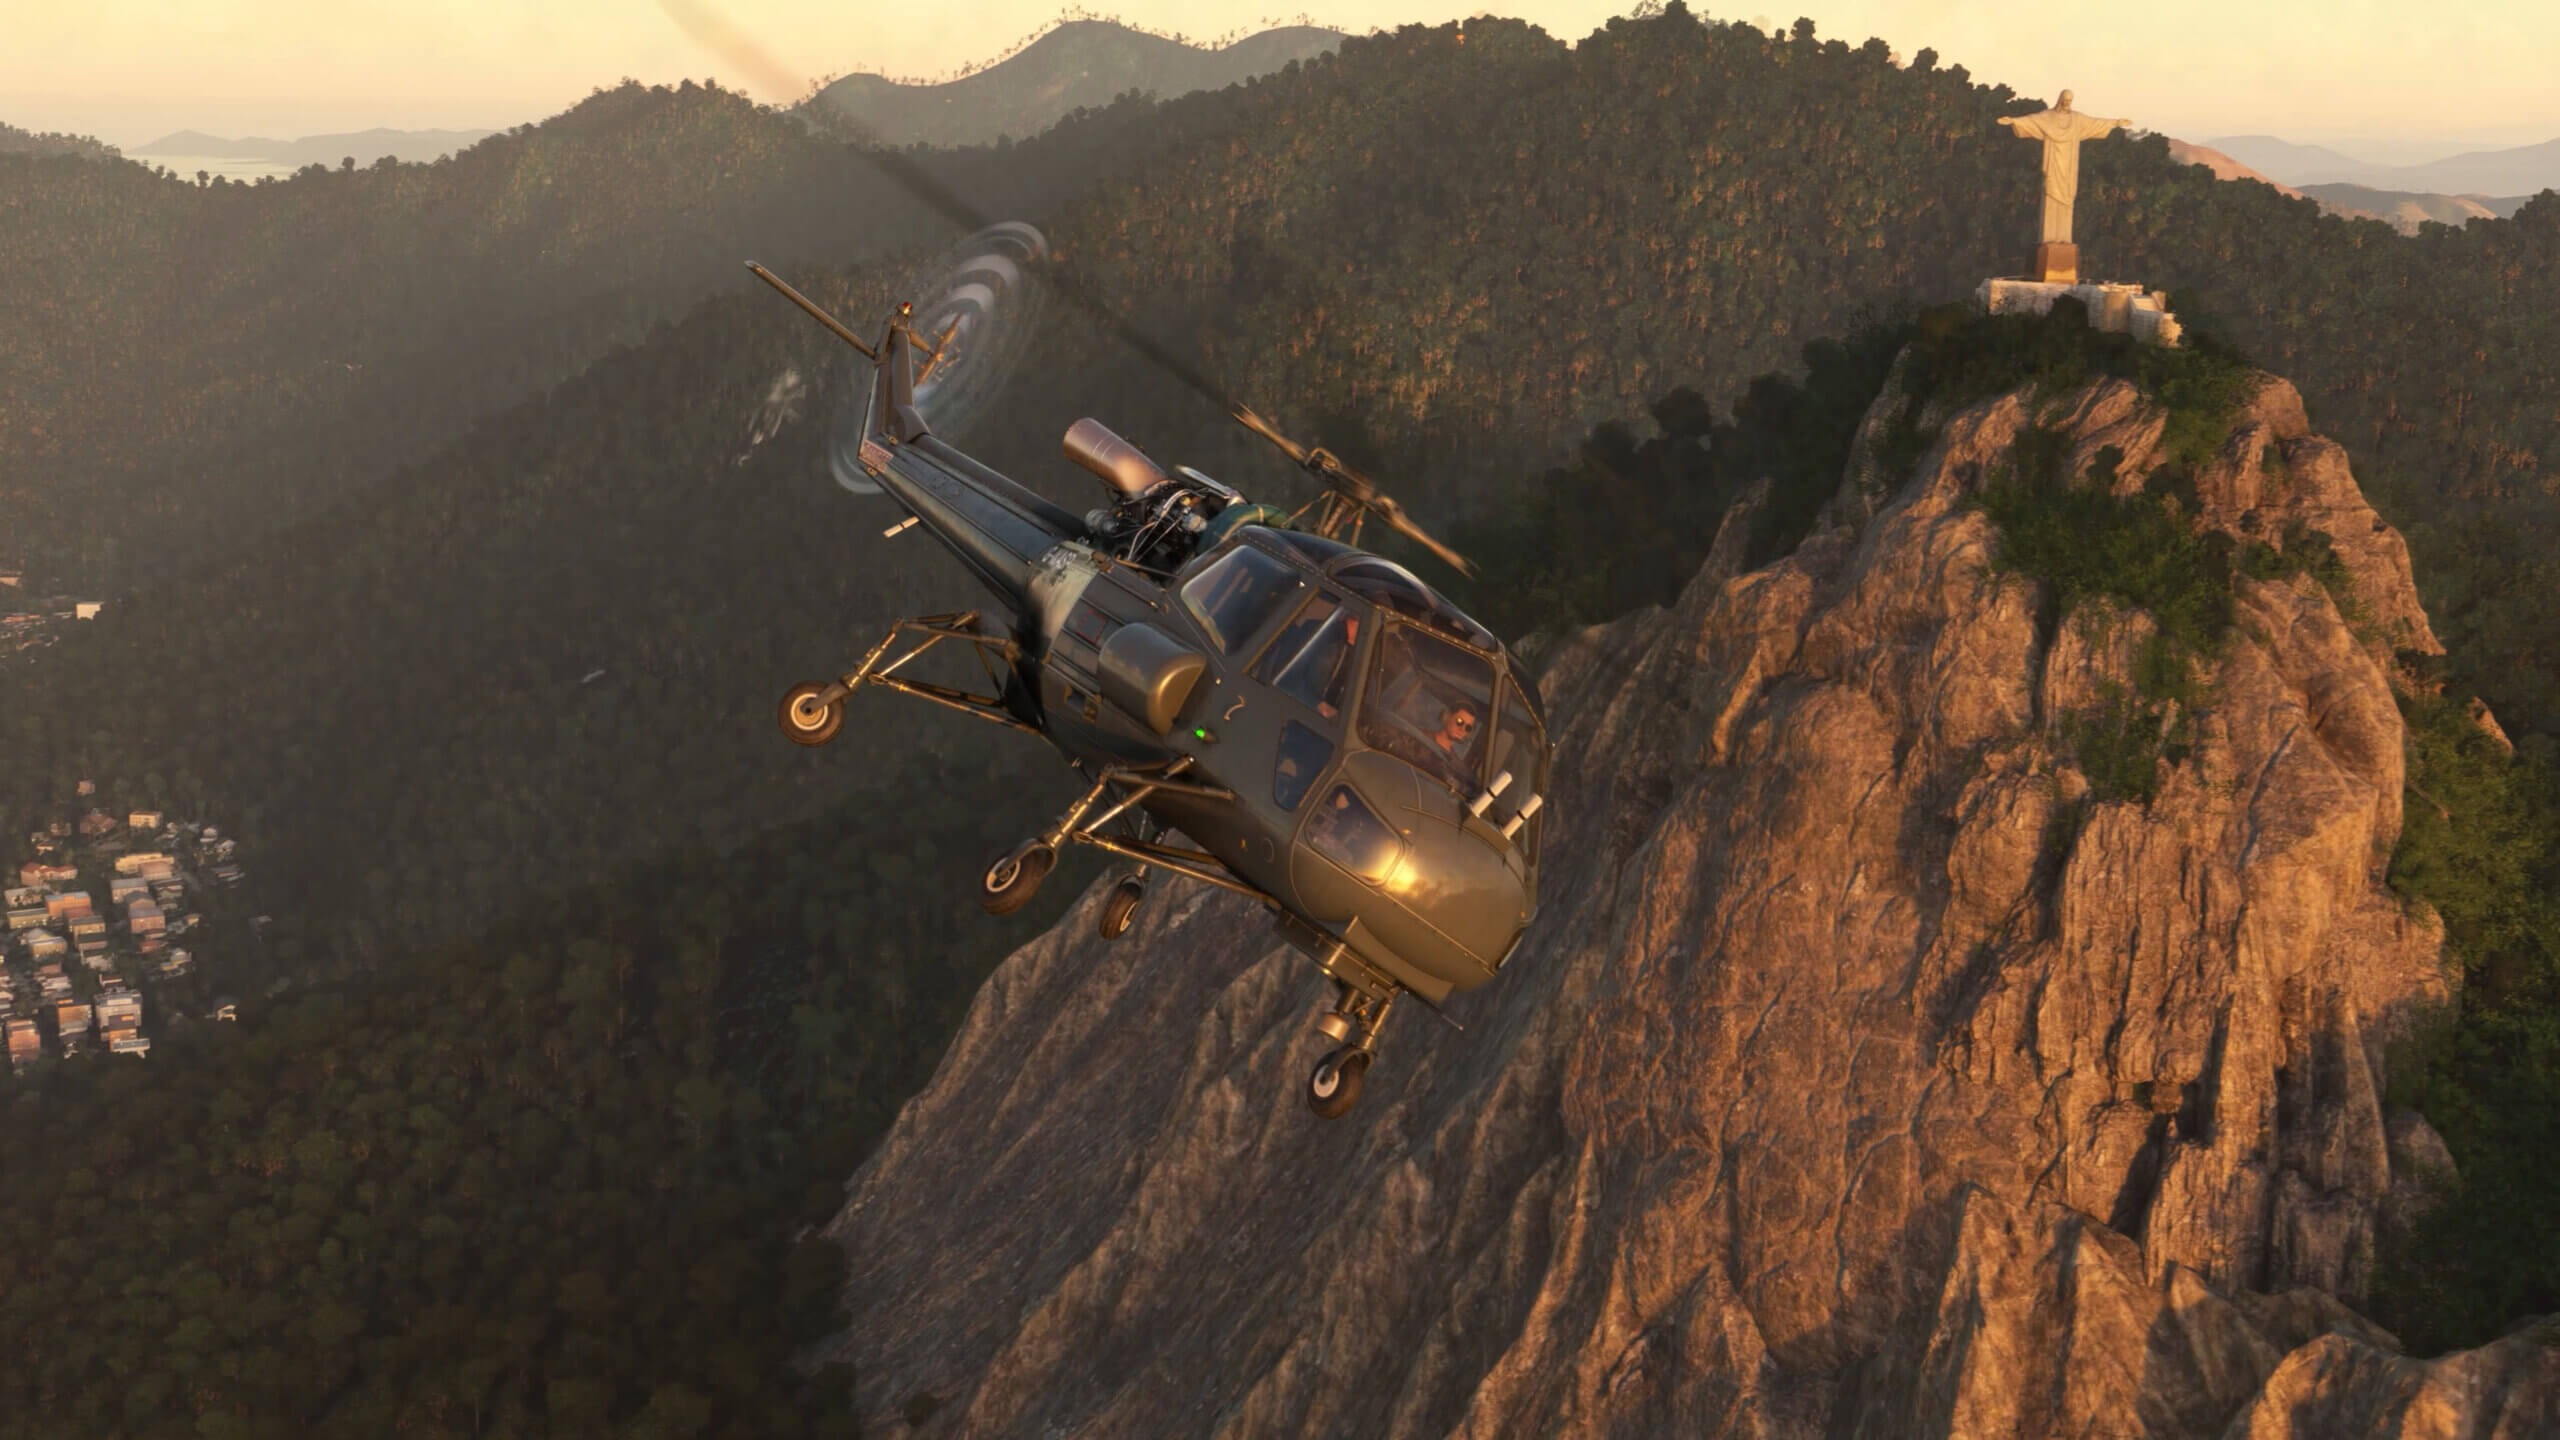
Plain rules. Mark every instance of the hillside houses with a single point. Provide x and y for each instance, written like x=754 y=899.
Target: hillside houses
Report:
x=109 y=885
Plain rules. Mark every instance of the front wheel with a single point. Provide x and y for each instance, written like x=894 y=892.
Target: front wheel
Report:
x=1010 y=883
x=807 y=718
x=1122 y=908
x=1335 y=1086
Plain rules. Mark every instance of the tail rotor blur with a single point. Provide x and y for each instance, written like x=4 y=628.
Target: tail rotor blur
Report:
x=977 y=311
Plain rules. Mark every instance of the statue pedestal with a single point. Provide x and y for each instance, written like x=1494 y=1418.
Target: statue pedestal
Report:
x=2129 y=309
x=2057 y=263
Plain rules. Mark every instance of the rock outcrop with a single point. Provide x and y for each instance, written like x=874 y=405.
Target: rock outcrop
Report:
x=1864 y=1075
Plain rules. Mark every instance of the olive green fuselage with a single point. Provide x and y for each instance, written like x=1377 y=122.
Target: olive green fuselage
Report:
x=1439 y=907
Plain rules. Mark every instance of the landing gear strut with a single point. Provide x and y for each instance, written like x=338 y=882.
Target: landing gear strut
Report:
x=1116 y=791
x=1355 y=1019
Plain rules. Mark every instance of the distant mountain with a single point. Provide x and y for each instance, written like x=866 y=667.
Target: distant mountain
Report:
x=14 y=141
x=366 y=146
x=2222 y=166
x=2406 y=210
x=2295 y=164
x=1080 y=63
x=2523 y=170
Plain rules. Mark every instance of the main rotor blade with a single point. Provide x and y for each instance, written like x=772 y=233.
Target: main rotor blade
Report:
x=1389 y=511
x=1270 y=432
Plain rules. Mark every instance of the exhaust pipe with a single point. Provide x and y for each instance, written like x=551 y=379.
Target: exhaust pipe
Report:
x=1122 y=466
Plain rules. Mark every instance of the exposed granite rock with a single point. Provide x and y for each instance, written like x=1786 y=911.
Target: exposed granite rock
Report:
x=1863 y=1077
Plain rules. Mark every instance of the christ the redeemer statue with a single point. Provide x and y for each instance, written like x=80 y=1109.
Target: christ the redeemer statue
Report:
x=2061 y=129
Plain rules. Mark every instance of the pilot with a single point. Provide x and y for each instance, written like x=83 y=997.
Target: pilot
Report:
x=1457 y=728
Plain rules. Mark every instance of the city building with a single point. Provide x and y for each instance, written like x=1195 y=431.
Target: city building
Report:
x=66 y=905
x=126 y=887
x=24 y=1043
x=71 y=1022
x=144 y=820
x=28 y=919
x=43 y=944
x=20 y=896
x=134 y=863
x=144 y=917
x=97 y=822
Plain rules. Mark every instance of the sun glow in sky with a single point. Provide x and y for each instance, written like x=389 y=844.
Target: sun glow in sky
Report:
x=2405 y=81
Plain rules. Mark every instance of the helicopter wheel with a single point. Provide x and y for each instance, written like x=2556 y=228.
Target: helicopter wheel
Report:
x=1335 y=1086
x=1010 y=883
x=807 y=723
x=1121 y=908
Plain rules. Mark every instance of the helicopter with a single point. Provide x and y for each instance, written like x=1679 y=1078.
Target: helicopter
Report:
x=1254 y=702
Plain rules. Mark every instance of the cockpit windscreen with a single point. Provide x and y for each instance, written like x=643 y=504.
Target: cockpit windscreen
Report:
x=1428 y=704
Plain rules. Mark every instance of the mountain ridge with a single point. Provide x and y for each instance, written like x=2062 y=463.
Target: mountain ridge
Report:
x=2514 y=170
x=1076 y=64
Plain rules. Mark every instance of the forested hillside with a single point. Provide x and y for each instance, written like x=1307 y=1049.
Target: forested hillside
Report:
x=185 y=366
x=551 y=1182
x=14 y=141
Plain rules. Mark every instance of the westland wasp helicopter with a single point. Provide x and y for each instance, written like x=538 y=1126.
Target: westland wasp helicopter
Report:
x=1329 y=735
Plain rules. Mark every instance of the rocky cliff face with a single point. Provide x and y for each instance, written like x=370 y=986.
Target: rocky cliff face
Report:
x=1863 y=1077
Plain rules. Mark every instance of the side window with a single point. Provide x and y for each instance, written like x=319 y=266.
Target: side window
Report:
x=1303 y=756
x=1237 y=593
x=1428 y=705
x=1311 y=659
x=1348 y=833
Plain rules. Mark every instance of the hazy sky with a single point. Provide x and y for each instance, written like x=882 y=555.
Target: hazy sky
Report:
x=2406 y=80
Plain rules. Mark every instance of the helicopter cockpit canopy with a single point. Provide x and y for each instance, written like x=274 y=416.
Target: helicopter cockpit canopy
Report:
x=1438 y=695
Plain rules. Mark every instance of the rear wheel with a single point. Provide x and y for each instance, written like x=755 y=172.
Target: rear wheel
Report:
x=1122 y=908
x=808 y=719
x=1335 y=1086
x=1010 y=883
